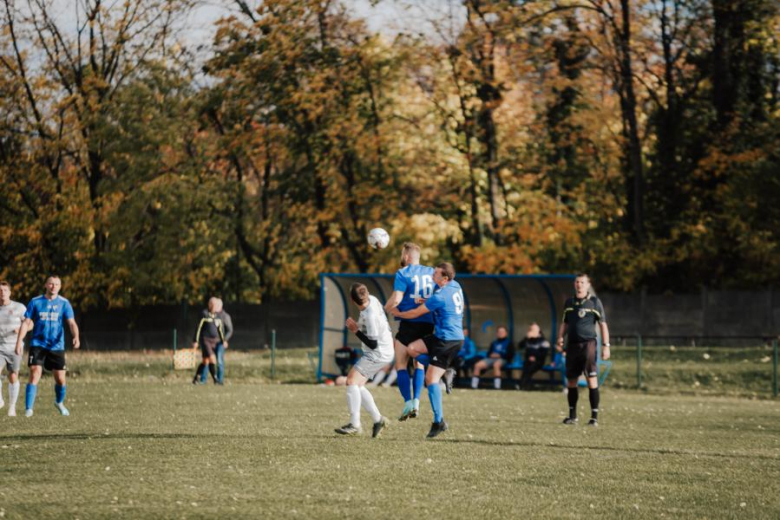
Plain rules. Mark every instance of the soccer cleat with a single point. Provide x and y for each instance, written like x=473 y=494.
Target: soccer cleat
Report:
x=593 y=422
x=12 y=411
x=61 y=407
x=570 y=420
x=437 y=428
x=409 y=411
x=28 y=412
x=348 y=429
x=380 y=425
x=449 y=377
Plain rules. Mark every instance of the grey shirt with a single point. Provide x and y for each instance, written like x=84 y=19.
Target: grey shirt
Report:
x=11 y=317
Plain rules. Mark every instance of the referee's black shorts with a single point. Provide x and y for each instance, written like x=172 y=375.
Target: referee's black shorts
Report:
x=409 y=331
x=581 y=359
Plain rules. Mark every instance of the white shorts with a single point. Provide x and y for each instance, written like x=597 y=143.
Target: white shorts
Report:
x=369 y=366
x=10 y=361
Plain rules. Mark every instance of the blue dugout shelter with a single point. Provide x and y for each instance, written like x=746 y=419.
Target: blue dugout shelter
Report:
x=514 y=301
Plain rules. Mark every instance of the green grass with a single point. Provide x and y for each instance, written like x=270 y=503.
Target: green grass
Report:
x=144 y=443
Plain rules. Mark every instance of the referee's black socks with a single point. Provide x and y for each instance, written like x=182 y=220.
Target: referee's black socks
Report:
x=594 y=403
x=573 y=395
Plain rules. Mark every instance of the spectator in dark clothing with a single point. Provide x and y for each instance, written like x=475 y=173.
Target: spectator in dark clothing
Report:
x=466 y=355
x=536 y=349
x=501 y=353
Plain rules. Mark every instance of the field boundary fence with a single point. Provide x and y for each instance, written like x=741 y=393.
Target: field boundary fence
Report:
x=727 y=365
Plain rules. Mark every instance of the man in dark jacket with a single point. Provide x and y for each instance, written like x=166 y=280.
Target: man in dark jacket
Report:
x=536 y=348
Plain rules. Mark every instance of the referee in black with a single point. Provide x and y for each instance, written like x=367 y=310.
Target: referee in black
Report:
x=580 y=316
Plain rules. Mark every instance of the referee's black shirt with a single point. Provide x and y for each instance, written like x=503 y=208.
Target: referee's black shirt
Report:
x=581 y=315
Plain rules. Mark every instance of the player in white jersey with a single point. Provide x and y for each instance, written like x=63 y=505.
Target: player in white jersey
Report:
x=373 y=330
x=11 y=316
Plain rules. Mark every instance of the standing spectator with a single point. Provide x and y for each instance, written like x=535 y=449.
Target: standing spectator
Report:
x=210 y=331
x=536 y=348
x=219 y=349
x=580 y=315
x=11 y=316
x=46 y=315
x=501 y=353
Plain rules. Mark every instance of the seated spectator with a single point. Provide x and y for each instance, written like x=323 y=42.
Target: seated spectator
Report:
x=536 y=349
x=500 y=353
x=466 y=355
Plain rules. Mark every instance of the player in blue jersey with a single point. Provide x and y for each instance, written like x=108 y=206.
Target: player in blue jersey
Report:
x=45 y=316
x=413 y=283
x=446 y=306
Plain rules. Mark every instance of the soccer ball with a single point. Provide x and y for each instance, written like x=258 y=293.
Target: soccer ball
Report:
x=378 y=238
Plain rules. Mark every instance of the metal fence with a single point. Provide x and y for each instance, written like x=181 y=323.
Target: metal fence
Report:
x=744 y=366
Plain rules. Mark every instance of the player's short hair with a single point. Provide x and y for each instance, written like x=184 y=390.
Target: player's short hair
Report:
x=502 y=327
x=4 y=283
x=53 y=276
x=359 y=293
x=410 y=248
x=583 y=275
x=447 y=269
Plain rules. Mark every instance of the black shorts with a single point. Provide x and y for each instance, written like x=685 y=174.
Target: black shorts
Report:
x=208 y=346
x=581 y=359
x=409 y=331
x=442 y=353
x=48 y=359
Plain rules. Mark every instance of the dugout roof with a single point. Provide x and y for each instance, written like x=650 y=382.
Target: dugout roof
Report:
x=491 y=300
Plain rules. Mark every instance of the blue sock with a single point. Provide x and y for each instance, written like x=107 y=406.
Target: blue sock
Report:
x=59 y=393
x=434 y=394
x=404 y=384
x=419 y=382
x=424 y=359
x=204 y=373
x=29 y=396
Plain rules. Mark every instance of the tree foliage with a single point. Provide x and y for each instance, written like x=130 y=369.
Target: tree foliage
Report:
x=635 y=140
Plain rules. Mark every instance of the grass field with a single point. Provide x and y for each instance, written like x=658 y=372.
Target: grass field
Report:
x=144 y=443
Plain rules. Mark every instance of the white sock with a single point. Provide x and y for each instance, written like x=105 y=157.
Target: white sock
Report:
x=13 y=393
x=497 y=383
x=369 y=404
x=353 y=403
x=378 y=378
x=391 y=377
x=475 y=382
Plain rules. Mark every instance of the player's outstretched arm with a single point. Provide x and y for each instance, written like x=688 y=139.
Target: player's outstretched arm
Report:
x=23 y=330
x=394 y=300
x=411 y=313
x=74 y=330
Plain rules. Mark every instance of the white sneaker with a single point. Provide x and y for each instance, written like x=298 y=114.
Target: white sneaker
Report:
x=28 y=412
x=61 y=407
x=12 y=411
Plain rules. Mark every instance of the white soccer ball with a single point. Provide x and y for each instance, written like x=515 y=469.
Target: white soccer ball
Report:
x=378 y=238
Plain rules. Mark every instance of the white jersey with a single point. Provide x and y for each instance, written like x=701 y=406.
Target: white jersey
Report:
x=11 y=317
x=373 y=323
